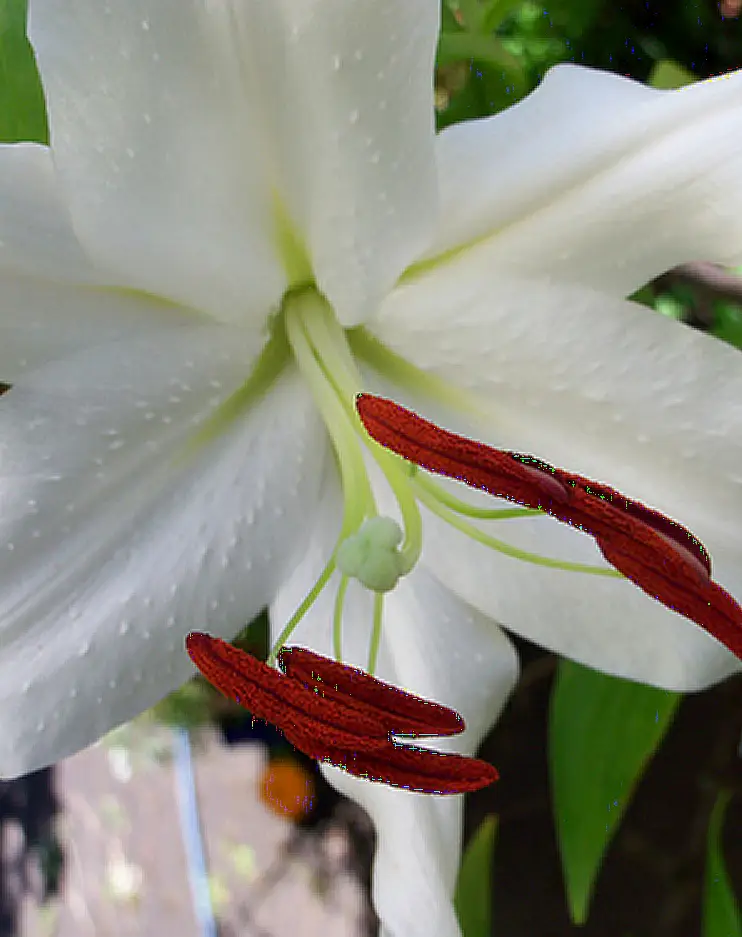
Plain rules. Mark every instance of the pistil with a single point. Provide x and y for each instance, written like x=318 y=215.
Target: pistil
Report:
x=373 y=549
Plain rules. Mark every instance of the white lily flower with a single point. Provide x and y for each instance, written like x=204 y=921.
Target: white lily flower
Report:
x=244 y=218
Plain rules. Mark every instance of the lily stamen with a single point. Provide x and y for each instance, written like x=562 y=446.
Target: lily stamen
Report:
x=402 y=713
x=343 y=716
x=657 y=554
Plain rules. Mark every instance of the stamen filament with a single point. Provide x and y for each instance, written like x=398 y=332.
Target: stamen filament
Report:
x=301 y=611
x=337 y=618
x=420 y=480
x=373 y=651
x=507 y=549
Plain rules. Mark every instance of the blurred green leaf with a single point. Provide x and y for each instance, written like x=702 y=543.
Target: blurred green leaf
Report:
x=473 y=898
x=728 y=323
x=721 y=916
x=22 y=110
x=669 y=305
x=472 y=13
x=602 y=733
x=668 y=74
x=461 y=46
x=496 y=12
x=449 y=22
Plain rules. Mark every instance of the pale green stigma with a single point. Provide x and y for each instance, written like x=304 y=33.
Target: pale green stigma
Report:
x=371 y=555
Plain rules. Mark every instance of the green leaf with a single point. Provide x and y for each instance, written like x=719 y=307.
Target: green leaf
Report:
x=457 y=47
x=22 y=110
x=473 y=898
x=496 y=12
x=728 y=324
x=449 y=23
x=602 y=733
x=668 y=74
x=472 y=13
x=487 y=50
x=721 y=916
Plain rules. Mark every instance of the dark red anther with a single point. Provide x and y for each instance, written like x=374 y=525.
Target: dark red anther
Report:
x=269 y=696
x=657 y=554
x=401 y=713
x=508 y=475
x=318 y=711
x=408 y=766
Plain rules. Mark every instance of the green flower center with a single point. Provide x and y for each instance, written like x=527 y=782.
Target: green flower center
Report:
x=372 y=548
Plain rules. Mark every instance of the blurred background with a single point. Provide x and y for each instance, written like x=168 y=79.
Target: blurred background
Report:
x=193 y=821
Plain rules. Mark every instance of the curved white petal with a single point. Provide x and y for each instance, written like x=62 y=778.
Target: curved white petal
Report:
x=42 y=320
x=122 y=529
x=598 y=180
x=53 y=300
x=36 y=236
x=158 y=151
x=347 y=96
x=435 y=645
x=601 y=387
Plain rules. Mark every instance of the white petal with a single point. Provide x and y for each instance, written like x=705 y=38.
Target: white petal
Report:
x=42 y=320
x=604 y=388
x=598 y=180
x=157 y=151
x=121 y=533
x=347 y=92
x=435 y=645
x=36 y=236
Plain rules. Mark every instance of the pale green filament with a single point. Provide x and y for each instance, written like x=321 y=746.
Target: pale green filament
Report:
x=419 y=480
x=507 y=549
x=373 y=651
x=309 y=600
x=337 y=618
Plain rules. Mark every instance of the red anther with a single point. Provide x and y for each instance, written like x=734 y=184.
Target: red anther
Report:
x=401 y=713
x=706 y=603
x=322 y=718
x=408 y=766
x=675 y=534
x=270 y=696
x=657 y=554
x=507 y=475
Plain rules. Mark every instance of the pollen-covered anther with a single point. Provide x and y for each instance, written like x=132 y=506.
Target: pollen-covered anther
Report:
x=519 y=478
x=351 y=731
x=400 y=712
x=654 y=552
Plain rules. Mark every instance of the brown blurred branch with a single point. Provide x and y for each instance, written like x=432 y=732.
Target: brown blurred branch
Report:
x=709 y=283
x=718 y=282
